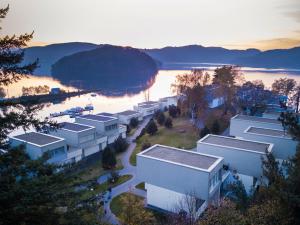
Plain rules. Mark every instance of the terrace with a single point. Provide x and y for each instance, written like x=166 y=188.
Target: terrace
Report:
x=38 y=139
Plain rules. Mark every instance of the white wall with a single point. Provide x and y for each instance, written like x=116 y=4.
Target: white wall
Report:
x=90 y=150
x=248 y=163
x=98 y=125
x=283 y=147
x=237 y=126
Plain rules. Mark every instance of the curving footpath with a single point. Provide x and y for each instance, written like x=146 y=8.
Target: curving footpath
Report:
x=128 y=169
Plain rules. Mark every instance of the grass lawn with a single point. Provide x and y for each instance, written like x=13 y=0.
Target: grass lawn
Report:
x=116 y=206
x=182 y=135
x=141 y=186
x=90 y=170
x=103 y=187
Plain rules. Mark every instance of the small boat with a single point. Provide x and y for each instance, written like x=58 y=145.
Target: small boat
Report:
x=54 y=114
x=89 y=107
x=93 y=94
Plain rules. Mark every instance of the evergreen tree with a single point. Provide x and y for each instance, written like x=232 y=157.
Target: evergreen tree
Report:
x=173 y=111
x=151 y=127
x=120 y=145
x=134 y=122
x=109 y=160
x=161 y=118
x=169 y=123
x=204 y=131
x=215 y=128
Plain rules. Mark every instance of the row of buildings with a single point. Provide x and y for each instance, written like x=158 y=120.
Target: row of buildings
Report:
x=172 y=175
x=89 y=134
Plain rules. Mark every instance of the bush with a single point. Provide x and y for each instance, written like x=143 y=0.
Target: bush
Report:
x=151 y=127
x=120 y=145
x=204 y=131
x=215 y=128
x=146 y=145
x=114 y=176
x=143 y=132
x=161 y=118
x=156 y=114
x=134 y=122
x=128 y=129
x=174 y=111
x=109 y=160
x=169 y=123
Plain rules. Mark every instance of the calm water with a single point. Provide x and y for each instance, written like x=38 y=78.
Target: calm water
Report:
x=160 y=88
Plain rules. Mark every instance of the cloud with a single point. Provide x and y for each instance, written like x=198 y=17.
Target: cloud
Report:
x=294 y=14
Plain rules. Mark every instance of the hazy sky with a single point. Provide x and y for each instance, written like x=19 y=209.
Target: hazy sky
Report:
x=156 y=23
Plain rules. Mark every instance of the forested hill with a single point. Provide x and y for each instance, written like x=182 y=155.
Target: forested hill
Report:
x=49 y=54
x=107 y=67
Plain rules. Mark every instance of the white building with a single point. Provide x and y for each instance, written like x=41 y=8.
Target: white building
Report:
x=126 y=116
x=105 y=126
x=241 y=156
x=82 y=140
x=284 y=145
x=239 y=123
x=38 y=144
x=167 y=101
x=213 y=97
x=147 y=108
x=172 y=174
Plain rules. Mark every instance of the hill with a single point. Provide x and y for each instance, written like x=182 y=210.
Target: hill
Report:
x=108 y=68
x=49 y=54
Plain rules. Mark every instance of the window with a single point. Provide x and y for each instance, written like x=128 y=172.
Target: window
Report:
x=111 y=127
x=57 y=151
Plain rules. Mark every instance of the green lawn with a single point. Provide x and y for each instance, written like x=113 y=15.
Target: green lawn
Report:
x=182 y=135
x=103 y=187
x=116 y=206
x=141 y=186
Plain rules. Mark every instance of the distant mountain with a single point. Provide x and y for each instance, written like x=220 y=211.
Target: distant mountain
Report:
x=49 y=54
x=198 y=54
x=108 y=68
x=279 y=58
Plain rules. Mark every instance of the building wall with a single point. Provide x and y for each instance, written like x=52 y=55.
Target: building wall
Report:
x=98 y=125
x=70 y=137
x=238 y=126
x=248 y=163
x=271 y=115
x=283 y=147
x=173 y=177
x=91 y=150
x=126 y=119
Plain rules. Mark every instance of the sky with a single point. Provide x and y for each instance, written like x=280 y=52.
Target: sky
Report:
x=234 y=24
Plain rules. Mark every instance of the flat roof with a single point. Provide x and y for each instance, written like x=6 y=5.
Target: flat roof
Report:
x=74 y=126
x=105 y=114
x=182 y=157
x=269 y=132
x=257 y=119
x=128 y=113
x=97 y=118
x=39 y=139
x=148 y=103
x=235 y=143
x=147 y=106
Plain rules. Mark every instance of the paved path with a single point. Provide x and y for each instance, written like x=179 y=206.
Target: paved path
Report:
x=128 y=169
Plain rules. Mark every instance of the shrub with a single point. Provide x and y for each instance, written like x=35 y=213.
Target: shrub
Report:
x=109 y=160
x=161 y=118
x=204 y=131
x=146 y=145
x=128 y=129
x=174 y=111
x=143 y=132
x=151 y=127
x=134 y=122
x=114 y=176
x=215 y=128
x=156 y=114
x=120 y=145
x=169 y=123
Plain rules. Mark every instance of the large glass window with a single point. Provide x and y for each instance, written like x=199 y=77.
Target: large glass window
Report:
x=111 y=127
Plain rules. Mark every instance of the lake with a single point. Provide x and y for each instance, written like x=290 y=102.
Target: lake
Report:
x=161 y=87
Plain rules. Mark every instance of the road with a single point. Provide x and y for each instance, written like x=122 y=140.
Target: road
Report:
x=128 y=169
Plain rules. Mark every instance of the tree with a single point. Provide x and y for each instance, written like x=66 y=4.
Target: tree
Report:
x=146 y=145
x=284 y=86
x=20 y=114
x=227 y=78
x=173 y=111
x=151 y=127
x=204 y=131
x=120 y=145
x=161 y=118
x=215 y=128
x=192 y=87
x=34 y=192
x=2 y=92
x=134 y=122
x=169 y=123
x=133 y=211
x=109 y=160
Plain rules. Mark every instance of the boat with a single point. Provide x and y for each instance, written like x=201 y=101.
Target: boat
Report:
x=89 y=107
x=55 y=114
x=93 y=94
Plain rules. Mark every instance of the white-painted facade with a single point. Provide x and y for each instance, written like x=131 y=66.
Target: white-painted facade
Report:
x=284 y=146
x=239 y=123
x=168 y=183
x=126 y=116
x=56 y=150
x=147 y=109
x=167 y=101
